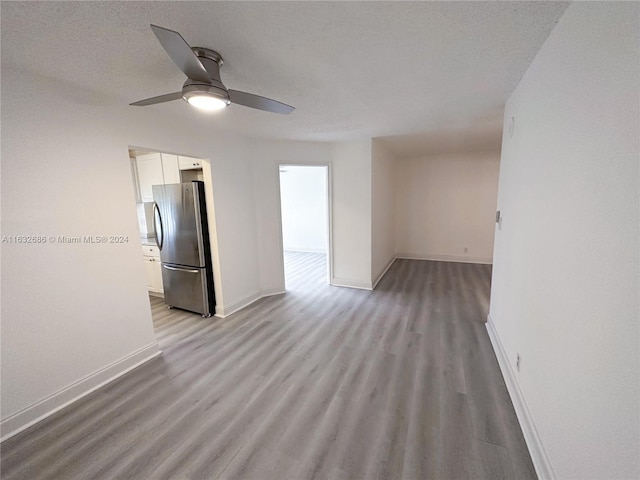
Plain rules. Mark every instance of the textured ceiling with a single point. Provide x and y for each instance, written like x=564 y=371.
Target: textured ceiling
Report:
x=351 y=69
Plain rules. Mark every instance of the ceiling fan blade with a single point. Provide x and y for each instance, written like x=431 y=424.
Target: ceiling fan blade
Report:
x=261 y=103
x=181 y=53
x=161 y=99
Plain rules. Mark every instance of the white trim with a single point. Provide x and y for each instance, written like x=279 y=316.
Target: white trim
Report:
x=270 y=292
x=445 y=258
x=532 y=438
x=279 y=220
x=223 y=311
x=347 y=282
x=377 y=280
x=329 y=223
x=49 y=405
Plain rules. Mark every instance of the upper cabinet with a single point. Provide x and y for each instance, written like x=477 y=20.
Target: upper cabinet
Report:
x=170 y=168
x=189 y=163
x=156 y=169
x=149 y=173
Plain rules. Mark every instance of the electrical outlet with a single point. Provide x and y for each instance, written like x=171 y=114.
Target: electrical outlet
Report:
x=466 y=249
x=518 y=362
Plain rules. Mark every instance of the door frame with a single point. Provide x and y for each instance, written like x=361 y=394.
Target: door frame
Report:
x=327 y=167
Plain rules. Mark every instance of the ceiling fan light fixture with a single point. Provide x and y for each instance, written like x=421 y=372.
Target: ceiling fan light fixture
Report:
x=205 y=97
x=207 y=102
x=204 y=88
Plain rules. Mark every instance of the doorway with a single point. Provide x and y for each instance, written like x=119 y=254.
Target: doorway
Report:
x=306 y=233
x=162 y=182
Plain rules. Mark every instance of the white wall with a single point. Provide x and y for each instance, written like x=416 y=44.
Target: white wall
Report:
x=303 y=195
x=350 y=190
x=75 y=315
x=235 y=217
x=68 y=310
x=352 y=213
x=266 y=157
x=445 y=206
x=383 y=193
x=565 y=291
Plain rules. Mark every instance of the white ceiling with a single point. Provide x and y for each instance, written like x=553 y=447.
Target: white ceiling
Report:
x=351 y=69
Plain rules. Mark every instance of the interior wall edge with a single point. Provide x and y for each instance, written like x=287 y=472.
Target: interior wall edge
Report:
x=40 y=410
x=536 y=448
x=383 y=273
x=212 y=222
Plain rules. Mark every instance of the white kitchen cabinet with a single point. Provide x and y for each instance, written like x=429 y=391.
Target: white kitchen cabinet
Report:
x=189 y=163
x=149 y=168
x=170 y=168
x=153 y=274
x=156 y=169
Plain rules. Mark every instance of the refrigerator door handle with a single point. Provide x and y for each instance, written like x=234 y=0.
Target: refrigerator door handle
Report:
x=178 y=269
x=158 y=217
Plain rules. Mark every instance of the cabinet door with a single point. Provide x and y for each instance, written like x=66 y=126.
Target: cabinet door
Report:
x=153 y=274
x=170 y=168
x=189 y=163
x=150 y=251
x=149 y=173
x=149 y=272
x=157 y=275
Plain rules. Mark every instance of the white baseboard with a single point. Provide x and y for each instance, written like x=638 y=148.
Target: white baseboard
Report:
x=223 y=311
x=269 y=292
x=42 y=409
x=346 y=282
x=534 y=443
x=377 y=280
x=445 y=258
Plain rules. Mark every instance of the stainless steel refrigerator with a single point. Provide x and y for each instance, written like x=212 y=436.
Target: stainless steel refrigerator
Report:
x=182 y=233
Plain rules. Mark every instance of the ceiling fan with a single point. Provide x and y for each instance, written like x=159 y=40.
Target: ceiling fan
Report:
x=203 y=88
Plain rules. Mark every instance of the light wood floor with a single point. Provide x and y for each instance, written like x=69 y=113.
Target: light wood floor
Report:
x=323 y=382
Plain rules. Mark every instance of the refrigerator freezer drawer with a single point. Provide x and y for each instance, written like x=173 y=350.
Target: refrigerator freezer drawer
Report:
x=186 y=288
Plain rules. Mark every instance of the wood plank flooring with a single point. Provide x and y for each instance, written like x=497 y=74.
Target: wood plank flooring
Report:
x=320 y=383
